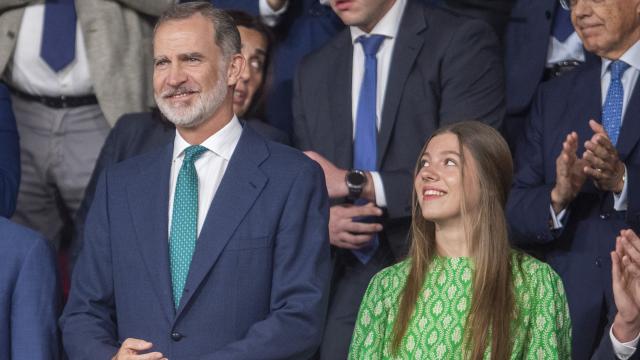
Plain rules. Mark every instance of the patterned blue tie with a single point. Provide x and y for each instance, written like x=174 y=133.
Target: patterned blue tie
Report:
x=562 y=26
x=365 y=141
x=58 y=47
x=184 y=221
x=612 y=109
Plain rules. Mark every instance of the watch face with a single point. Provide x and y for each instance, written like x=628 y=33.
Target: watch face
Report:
x=355 y=178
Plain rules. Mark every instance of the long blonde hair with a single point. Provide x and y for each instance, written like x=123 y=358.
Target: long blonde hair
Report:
x=492 y=303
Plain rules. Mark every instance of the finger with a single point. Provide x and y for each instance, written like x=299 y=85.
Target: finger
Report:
x=596 y=127
x=596 y=162
x=357 y=227
x=362 y=211
x=136 y=344
x=630 y=269
x=615 y=271
x=631 y=244
x=150 y=356
x=601 y=147
x=354 y=241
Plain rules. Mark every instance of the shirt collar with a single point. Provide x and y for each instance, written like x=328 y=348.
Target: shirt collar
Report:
x=221 y=143
x=325 y=2
x=387 y=26
x=631 y=57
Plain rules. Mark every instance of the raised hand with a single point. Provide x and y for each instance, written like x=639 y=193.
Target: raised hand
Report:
x=569 y=174
x=603 y=164
x=625 y=275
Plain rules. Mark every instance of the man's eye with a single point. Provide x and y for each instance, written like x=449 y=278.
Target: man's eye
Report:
x=424 y=163
x=161 y=62
x=193 y=59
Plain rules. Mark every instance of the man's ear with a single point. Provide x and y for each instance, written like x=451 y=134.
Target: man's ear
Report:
x=236 y=66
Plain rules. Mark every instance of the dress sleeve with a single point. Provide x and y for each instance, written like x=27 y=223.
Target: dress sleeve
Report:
x=550 y=331
x=368 y=340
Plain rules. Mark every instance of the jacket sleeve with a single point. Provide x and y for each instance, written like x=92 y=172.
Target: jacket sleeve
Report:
x=9 y=156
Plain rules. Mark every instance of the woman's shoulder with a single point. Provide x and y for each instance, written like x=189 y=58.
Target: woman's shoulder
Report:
x=533 y=273
x=393 y=277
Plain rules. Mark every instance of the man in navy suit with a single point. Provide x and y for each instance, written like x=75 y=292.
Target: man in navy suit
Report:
x=431 y=68
x=9 y=155
x=29 y=295
x=578 y=167
x=213 y=247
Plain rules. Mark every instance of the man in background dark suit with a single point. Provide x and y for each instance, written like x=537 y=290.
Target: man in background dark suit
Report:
x=29 y=295
x=9 y=155
x=578 y=166
x=440 y=68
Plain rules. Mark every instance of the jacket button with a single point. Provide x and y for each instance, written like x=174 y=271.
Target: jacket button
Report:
x=604 y=216
x=176 y=336
x=598 y=262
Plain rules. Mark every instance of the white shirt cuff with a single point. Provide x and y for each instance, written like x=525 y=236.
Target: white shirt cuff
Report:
x=623 y=350
x=621 y=201
x=378 y=186
x=268 y=15
x=557 y=219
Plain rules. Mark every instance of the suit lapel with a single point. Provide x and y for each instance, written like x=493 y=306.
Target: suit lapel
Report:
x=241 y=185
x=630 y=131
x=149 y=208
x=407 y=48
x=341 y=104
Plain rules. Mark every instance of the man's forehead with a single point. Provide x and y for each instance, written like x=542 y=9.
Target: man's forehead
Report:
x=196 y=26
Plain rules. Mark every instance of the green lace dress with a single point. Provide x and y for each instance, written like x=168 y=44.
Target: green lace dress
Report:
x=541 y=329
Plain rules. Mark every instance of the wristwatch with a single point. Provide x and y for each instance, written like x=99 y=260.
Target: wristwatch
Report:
x=356 y=180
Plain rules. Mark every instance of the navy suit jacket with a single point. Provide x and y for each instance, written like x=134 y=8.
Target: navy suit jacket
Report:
x=258 y=282
x=29 y=295
x=580 y=251
x=444 y=68
x=135 y=134
x=9 y=155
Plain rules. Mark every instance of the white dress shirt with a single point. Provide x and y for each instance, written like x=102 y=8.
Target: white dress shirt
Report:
x=210 y=166
x=629 y=80
x=388 y=27
x=31 y=74
x=570 y=49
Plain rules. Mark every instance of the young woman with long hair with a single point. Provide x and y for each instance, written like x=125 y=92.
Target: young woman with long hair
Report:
x=463 y=292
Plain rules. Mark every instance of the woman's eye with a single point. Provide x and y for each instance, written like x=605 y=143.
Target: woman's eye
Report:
x=450 y=162
x=424 y=163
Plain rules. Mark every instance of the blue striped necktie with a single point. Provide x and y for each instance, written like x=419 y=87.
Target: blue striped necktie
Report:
x=612 y=109
x=184 y=221
x=365 y=148
x=58 y=48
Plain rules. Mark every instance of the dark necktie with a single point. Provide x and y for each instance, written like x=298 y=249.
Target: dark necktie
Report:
x=184 y=221
x=562 y=26
x=612 y=109
x=58 y=47
x=366 y=133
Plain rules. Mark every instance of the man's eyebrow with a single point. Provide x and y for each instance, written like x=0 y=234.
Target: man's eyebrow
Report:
x=158 y=58
x=196 y=55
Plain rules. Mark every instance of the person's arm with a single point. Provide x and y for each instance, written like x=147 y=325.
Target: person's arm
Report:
x=301 y=276
x=35 y=305
x=9 y=155
x=88 y=320
x=550 y=334
x=367 y=341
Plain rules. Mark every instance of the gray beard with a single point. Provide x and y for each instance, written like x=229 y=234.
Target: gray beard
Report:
x=203 y=107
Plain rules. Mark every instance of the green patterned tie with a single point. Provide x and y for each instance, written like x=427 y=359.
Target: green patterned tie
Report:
x=184 y=221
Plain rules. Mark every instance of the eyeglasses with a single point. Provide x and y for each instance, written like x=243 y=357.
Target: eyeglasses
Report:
x=565 y=4
x=568 y=4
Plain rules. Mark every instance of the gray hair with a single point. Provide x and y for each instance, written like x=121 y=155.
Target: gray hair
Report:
x=227 y=36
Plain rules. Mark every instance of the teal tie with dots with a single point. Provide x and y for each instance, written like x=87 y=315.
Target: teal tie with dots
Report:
x=184 y=221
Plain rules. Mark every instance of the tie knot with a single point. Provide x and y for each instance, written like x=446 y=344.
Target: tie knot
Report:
x=193 y=152
x=371 y=44
x=618 y=68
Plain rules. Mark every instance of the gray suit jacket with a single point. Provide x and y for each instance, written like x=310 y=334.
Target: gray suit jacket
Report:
x=118 y=38
x=444 y=69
